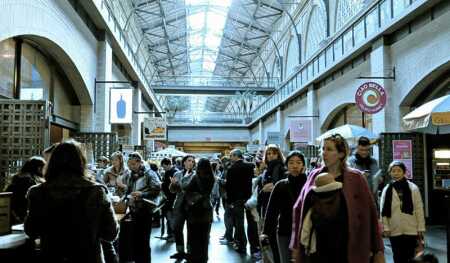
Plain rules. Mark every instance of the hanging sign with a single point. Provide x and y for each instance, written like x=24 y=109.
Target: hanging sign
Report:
x=155 y=129
x=370 y=97
x=402 y=151
x=300 y=130
x=121 y=106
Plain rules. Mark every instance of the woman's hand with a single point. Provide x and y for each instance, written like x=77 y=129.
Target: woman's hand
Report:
x=137 y=195
x=173 y=180
x=267 y=187
x=379 y=257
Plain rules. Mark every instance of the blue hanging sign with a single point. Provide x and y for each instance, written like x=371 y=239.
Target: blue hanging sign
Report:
x=121 y=105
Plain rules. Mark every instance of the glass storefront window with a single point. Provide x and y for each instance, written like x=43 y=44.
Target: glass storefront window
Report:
x=7 y=57
x=35 y=74
x=352 y=115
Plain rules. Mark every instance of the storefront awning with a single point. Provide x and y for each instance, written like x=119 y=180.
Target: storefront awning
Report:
x=432 y=117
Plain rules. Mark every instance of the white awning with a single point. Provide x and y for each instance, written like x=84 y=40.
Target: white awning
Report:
x=432 y=117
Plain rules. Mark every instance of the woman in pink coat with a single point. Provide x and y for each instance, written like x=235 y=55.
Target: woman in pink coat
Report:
x=351 y=236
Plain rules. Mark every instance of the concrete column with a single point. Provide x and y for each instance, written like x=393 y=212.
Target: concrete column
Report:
x=389 y=118
x=280 y=127
x=137 y=118
x=313 y=110
x=87 y=119
x=104 y=73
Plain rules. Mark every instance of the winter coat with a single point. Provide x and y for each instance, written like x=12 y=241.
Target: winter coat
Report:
x=145 y=181
x=182 y=181
x=202 y=211
x=111 y=178
x=401 y=223
x=279 y=209
x=70 y=215
x=239 y=182
x=364 y=235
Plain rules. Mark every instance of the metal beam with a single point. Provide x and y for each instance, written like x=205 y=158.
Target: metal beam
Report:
x=207 y=90
x=161 y=24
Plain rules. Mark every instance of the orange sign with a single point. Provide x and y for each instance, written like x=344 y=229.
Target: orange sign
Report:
x=440 y=118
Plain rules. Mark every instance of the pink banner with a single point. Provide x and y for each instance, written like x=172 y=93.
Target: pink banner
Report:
x=402 y=151
x=300 y=130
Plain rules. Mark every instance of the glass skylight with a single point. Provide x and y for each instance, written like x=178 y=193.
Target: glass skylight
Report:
x=206 y=21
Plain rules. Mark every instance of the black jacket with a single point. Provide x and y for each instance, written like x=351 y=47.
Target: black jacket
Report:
x=239 y=182
x=165 y=187
x=281 y=203
x=202 y=211
x=70 y=215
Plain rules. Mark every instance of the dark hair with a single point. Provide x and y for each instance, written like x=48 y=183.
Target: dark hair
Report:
x=204 y=168
x=33 y=166
x=398 y=164
x=154 y=167
x=186 y=157
x=295 y=153
x=135 y=156
x=67 y=160
x=214 y=166
x=50 y=149
x=341 y=146
x=166 y=161
x=237 y=153
x=426 y=258
x=363 y=141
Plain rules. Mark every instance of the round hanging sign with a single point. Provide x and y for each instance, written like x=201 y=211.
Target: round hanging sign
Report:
x=370 y=97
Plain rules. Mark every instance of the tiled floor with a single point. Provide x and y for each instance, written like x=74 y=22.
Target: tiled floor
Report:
x=161 y=250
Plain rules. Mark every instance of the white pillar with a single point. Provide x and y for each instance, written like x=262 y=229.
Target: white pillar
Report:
x=260 y=132
x=137 y=118
x=312 y=109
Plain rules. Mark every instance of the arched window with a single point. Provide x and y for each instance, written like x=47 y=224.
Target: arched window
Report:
x=345 y=10
x=292 y=56
x=316 y=30
x=351 y=114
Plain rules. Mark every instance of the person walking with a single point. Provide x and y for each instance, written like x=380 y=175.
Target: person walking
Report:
x=199 y=211
x=278 y=217
x=70 y=213
x=360 y=232
x=402 y=213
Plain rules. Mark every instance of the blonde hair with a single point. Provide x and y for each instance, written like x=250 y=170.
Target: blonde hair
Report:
x=276 y=149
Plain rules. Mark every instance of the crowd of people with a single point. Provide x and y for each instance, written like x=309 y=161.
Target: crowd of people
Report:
x=294 y=209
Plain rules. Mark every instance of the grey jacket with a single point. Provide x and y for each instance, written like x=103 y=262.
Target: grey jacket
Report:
x=374 y=176
x=179 y=188
x=145 y=181
x=70 y=215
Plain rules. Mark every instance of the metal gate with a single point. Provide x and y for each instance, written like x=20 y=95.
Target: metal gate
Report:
x=22 y=134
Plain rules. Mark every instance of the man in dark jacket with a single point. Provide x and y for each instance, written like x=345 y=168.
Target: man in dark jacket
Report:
x=239 y=189
x=143 y=185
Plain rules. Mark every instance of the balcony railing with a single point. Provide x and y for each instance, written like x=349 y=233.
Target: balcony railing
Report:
x=379 y=16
